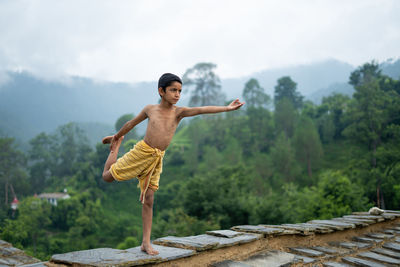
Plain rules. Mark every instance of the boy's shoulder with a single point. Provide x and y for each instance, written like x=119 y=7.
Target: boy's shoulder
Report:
x=149 y=107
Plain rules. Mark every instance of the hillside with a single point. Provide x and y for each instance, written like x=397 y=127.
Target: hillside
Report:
x=29 y=105
x=309 y=78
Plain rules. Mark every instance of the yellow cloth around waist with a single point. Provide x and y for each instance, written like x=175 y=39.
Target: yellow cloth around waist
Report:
x=143 y=162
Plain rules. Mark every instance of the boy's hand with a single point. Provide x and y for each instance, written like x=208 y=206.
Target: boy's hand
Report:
x=107 y=139
x=112 y=140
x=236 y=104
x=115 y=142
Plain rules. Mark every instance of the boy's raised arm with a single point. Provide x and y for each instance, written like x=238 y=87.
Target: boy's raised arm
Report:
x=126 y=127
x=193 y=111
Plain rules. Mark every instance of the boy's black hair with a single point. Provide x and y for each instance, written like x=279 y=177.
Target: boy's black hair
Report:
x=166 y=79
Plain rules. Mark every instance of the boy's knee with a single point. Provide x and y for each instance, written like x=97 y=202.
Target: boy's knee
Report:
x=108 y=177
x=149 y=197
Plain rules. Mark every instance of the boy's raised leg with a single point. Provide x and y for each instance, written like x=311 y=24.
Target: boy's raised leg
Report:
x=147 y=218
x=112 y=158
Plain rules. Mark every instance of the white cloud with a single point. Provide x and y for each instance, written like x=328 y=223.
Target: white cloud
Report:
x=139 y=40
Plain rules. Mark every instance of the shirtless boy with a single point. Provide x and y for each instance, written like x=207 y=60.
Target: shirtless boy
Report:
x=145 y=159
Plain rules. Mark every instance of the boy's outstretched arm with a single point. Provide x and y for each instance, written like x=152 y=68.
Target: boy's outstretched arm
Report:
x=193 y=111
x=126 y=127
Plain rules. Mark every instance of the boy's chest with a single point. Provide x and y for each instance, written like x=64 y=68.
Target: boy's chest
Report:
x=164 y=122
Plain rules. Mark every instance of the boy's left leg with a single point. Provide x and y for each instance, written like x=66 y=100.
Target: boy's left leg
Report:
x=112 y=158
x=147 y=218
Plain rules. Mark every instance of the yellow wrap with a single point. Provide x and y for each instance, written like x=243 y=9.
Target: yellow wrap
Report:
x=143 y=162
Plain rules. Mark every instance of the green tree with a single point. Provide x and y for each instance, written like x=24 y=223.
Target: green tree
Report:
x=121 y=121
x=33 y=220
x=284 y=163
x=227 y=200
x=285 y=117
x=334 y=195
x=365 y=74
x=178 y=223
x=307 y=144
x=330 y=116
x=43 y=156
x=254 y=95
x=73 y=148
x=286 y=88
x=369 y=115
x=57 y=156
x=129 y=242
x=12 y=170
x=207 y=85
x=260 y=135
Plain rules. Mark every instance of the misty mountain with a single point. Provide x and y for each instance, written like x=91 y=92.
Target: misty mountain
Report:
x=309 y=78
x=338 y=88
x=390 y=67
x=314 y=81
x=30 y=105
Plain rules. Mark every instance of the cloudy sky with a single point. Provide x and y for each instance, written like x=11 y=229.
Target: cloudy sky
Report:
x=139 y=40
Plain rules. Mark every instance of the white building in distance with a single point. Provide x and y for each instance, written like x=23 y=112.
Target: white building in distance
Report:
x=52 y=198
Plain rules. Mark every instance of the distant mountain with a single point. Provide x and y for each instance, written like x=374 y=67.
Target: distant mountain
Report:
x=390 y=67
x=96 y=131
x=339 y=88
x=29 y=105
x=314 y=81
x=309 y=78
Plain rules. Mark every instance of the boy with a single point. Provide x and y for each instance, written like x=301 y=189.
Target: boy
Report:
x=144 y=161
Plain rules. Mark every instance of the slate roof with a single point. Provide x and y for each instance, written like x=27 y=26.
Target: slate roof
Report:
x=358 y=239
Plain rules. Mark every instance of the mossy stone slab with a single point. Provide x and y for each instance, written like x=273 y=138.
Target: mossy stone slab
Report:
x=367 y=240
x=357 y=222
x=229 y=263
x=387 y=252
x=392 y=246
x=320 y=228
x=391 y=231
x=334 y=224
x=258 y=229
x=386 y=215
x=350 y=245
x=303 y=229
x=166 y=253
x=105 y=257
x=272 y=259
x=360 y=262
x=368 y=217
x=206 y=242
x=334 y=264
x=380 y=258
x=224 y=233
x=188 y=242
x=39 y=264
x=330 y=250
x=307 y=252
x=380 y=236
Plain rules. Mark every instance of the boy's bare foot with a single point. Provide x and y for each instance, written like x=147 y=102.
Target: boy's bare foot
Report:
x=115 y=145
x=148 y=249
x=107 y=139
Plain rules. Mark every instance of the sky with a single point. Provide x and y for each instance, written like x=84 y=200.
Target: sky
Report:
x=132 y=41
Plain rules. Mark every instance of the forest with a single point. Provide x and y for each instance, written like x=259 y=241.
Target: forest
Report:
x=279 y=159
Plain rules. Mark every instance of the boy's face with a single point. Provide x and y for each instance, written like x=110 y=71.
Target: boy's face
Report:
x=172 y=93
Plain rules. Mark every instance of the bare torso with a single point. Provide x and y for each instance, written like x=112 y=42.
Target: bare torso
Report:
x=161 y=126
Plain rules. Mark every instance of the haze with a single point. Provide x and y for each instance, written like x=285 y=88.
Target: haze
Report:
x=135 y=41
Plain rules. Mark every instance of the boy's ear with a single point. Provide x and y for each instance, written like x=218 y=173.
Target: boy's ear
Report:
x=161 y=91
